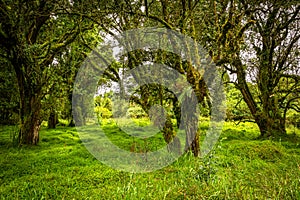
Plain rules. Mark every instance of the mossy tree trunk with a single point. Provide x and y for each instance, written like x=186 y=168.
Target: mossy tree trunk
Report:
x=30 y=107
x=190 y=122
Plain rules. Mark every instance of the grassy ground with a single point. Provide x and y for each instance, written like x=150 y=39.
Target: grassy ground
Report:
x=240 y=167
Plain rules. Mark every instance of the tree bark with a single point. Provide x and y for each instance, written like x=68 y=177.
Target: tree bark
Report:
x=70 y=115
x=30 y=120
x=270 y=121
x=30 y=103
x=52 y=120
x=71 y=123
x=270 y=128
x=173 y=143
x=190 y=119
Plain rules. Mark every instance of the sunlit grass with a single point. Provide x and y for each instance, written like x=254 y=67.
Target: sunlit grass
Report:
x=239 y=167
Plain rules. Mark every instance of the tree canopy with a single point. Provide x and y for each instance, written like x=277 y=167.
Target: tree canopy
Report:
x=254 y=44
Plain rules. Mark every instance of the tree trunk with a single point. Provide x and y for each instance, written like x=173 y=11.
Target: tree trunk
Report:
x=30 y=120
x=192 y=137
x=52 y=120
x=71 y=123
x=70 y=114
x=30 y=104
x=173 y=142
x=190 y=120
x=270 y=119
x=270 y=127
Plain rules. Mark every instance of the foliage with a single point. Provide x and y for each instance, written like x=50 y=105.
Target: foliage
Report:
x=136 y=112
x=102 y=112
x=293 y=118
x=237 y=109
x=9 y=95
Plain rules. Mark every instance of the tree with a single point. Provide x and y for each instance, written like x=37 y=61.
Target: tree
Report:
x=68 y=63
x=31 y=34
x=259 y=45
x=177 y=16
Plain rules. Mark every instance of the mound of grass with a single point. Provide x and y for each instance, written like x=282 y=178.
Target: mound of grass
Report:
x=265 y=150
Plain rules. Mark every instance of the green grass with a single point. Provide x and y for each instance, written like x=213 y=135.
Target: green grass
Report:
x=239 y=167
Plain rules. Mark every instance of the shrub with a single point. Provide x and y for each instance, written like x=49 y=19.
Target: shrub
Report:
x=136 y=112
x=102 y=112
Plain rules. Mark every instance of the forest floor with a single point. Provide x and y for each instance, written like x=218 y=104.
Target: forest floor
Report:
x=239 y=167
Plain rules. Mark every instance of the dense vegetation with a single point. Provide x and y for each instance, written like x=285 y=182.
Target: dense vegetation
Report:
x=246 y=51
x=43 y=44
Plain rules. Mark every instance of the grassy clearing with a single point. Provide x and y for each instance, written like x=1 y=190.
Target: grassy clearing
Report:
x=240 y=167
